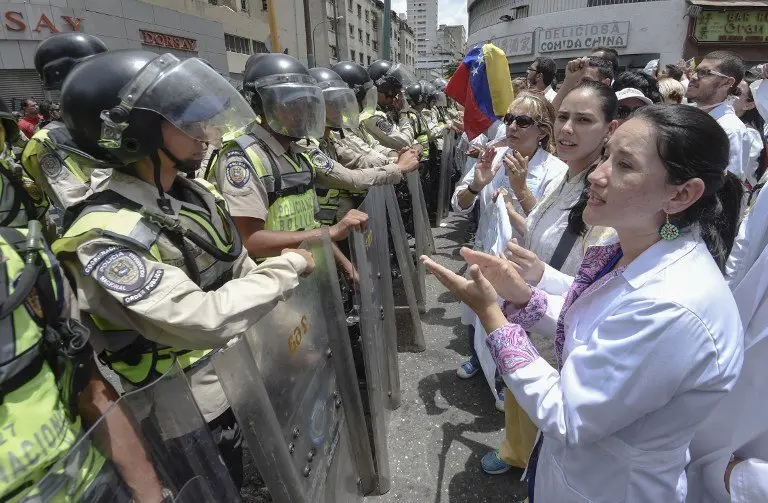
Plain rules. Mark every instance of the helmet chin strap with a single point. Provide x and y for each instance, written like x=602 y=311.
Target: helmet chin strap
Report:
x=186 y=167
x=163 y=202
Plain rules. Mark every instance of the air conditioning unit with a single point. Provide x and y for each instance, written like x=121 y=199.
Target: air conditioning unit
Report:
x=693 y=11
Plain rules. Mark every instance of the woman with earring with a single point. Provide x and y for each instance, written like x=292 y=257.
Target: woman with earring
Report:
x=555 y=237
x=649 y=338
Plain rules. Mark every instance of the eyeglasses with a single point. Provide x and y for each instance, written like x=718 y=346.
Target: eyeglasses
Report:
x=522 y=121
x=700 y=73
x=624 y=111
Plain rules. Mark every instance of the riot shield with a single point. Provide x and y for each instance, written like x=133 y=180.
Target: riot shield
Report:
x=411 y=336
x=422 y=233
x=151 y=440
x=291 y=382
x=446 y=174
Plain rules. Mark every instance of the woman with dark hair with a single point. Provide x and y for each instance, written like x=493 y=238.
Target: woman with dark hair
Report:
x=643 y=82
x=746 y=109
x=648 y=337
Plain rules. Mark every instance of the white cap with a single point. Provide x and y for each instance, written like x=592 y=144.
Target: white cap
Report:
x=631 y=92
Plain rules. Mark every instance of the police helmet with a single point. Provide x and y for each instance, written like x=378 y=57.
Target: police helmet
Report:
x=416 y=94
x=341 y=108
x=354 y=75
x=114 y=103
x=440 y=84
x=55 y=56
x=9 y=122
x=282 y=90
x=390 y=79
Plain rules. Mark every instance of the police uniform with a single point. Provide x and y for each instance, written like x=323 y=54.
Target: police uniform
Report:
x=261 y=180
x=133 y=276
x=40 y=425
x=352 y=152
x=51 y=162
x=418 y=121
x=394 y=136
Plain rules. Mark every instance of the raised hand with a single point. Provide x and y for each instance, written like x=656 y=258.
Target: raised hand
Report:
x=501 y=274
x=527 y=263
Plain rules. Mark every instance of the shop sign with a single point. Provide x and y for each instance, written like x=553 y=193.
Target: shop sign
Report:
x=14 y=21
x=585 y=36
x=168 y=41
x=740 y=26
x=515 y=45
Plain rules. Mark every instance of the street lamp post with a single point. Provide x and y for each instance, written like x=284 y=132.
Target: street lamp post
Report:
x=311 y=54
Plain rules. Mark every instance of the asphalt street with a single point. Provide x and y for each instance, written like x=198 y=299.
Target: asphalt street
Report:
x=445 y=425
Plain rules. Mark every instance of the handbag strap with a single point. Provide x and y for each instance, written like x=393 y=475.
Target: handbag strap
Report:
x=564 y=247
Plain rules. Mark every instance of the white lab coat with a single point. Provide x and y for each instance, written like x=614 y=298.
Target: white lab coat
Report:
x=646 y=357
x=744 y=144
x=739 y=425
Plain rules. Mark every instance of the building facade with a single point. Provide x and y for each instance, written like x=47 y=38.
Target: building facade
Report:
x=223 y=32
x=453 y=38
x=422 y=16
x=640 y=30
x=354 y=31
x=741 y=27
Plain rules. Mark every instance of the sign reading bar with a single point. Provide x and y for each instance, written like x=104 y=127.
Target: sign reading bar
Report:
x=585 y=36
x=168 y=41
x=732 y=26
x=515 y=45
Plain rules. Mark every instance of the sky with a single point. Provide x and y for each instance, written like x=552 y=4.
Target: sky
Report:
x=448 y=11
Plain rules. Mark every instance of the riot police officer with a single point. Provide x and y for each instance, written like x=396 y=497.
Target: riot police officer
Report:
x=51 y=159
x=418 y=95
x=342 y=145
x=157 y=258
x=17 y=206
x=268 y=173
x=388 y=123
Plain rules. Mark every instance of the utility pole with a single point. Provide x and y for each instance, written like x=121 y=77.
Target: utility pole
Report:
x=386 y=28
x=308 y=35
x=273 y=27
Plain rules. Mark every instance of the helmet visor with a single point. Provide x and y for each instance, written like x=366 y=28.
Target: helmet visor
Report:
x=371 y=101
x=440 y=99
x=402 y=75
x=190 y=95
x=294 y=109
x=340 y=107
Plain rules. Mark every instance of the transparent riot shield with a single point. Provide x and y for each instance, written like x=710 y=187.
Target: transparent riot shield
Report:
x=153 y=441
x=410 y=336
x=291 y=383
x=446 y=173
x=422 y=232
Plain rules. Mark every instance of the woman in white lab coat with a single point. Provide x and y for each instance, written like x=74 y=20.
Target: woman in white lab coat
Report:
x=650 y=332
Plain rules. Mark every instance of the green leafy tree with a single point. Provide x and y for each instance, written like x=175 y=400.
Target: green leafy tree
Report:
x=450 y=69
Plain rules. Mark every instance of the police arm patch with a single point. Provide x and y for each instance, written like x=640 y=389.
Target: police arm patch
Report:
x=238 y=172
x=384 y=125
x=145 y=290
x=51 y=165
x=121 y=271
x=321 y=161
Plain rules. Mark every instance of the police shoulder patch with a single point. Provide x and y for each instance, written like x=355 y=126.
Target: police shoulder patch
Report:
x=383 y=124
x=238 y=172
x=121 y=271
x=321 y=161
x=51 y=165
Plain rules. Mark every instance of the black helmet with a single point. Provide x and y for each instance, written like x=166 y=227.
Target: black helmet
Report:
x=440 y=84
x=354 y=75
x=284 y=92
x=416 y=94
x=94 y=87
x=9 y=122
x=55 y=56
x=322 y=75
x=389 y=79
x=341 y=106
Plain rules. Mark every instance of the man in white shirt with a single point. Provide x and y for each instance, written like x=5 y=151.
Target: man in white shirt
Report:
x=713 y=85
x=540 y=75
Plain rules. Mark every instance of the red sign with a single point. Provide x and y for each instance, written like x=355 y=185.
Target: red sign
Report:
x=14 y=21
x=168 y=41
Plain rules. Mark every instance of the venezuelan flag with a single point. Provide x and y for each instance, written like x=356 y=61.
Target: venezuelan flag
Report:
x=483 y=86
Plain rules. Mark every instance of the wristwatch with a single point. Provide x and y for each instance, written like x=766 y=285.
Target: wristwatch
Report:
x=469 y=188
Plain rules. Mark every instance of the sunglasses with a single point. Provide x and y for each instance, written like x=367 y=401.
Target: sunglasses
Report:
x=523 y=121
x=700 y=73
x=624 y=111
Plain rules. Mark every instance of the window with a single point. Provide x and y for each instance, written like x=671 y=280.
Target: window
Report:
x=259 y=47
x=349 y=6
x=244 y=6
x=264 y=5
x=360 y=34
x=375 y=46
x=367 y=39
x=366 y=15
x=334 y=52
x=359 y=12
x=369 y=61
x=237 y=44
x=361 y=57
x=351 y=30
x=352 y=54
x=375 y=24
x=331 y=24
